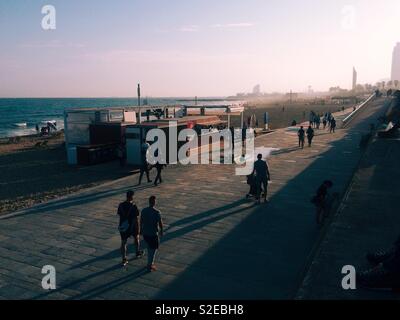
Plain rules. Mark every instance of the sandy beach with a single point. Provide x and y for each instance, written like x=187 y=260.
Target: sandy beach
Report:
x=34 y=174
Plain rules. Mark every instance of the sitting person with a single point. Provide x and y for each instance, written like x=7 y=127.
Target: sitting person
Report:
x=386 y=271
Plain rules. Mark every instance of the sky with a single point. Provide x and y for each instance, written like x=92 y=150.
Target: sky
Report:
x=187 y=48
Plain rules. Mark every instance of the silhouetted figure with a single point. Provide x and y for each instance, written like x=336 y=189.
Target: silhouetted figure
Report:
x=262 y=176
x=385 y=271
x=129 y=225
x=121 y=154
x=310 y=135
x=324 y=122
x=159 y=167
x=144 y=168
x=333 y=125
x=301 y=134
x=152 y=229
x=320 y=200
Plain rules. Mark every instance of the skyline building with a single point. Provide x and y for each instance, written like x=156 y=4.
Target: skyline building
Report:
x=354 y=78
x=396 y=63
x=257 y=90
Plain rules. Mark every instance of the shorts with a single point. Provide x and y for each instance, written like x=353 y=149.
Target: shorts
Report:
x=130 y=233
x=153 y=242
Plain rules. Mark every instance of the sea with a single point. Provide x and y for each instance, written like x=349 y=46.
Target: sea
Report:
x=19 y=116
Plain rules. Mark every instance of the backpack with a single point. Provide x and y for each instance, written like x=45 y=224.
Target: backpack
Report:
x=124 y=226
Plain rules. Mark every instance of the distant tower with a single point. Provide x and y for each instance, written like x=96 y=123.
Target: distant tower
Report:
x=138 y=93
x=354 y=78
x=257 y=90
x=396 y=63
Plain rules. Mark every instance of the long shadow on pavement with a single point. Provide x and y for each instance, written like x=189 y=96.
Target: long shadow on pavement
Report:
x=265 y=255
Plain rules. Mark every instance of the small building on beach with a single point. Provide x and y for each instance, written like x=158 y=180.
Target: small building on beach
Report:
x=93 y=135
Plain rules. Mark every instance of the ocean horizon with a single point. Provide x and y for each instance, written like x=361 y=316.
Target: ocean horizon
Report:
x=19 y=116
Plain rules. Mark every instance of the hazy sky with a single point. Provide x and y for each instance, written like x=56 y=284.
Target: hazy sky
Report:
x=193 y=47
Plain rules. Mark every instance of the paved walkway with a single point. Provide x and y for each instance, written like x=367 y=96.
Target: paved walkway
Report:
x=369 y=221
x=217 y=244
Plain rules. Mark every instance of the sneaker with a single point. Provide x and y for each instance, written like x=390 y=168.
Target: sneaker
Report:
x=153 y=267
x=124 y=262
x=379 y=256
x=379 y=278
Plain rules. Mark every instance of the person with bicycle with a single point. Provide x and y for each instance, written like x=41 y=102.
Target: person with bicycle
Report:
x=320 y=200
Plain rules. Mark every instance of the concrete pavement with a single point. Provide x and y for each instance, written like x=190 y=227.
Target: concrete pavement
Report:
x=217 y=244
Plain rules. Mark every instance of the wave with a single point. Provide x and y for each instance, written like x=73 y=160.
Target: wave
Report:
x=20 y=125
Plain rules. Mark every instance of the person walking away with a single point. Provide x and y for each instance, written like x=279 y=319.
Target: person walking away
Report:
x=301 y=135
x=144 y=168
x=262 y=175
x=318 y=120
x=333 y=125
x=310 y=135
x=121 y=155
x=251 y=181
x=311 y=118
x=129 y=226
x=320 y=200
x=152 y=229
x=159 y=168
x=324 y=122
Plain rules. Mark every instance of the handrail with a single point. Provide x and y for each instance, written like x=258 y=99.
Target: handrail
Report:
x=350 y=116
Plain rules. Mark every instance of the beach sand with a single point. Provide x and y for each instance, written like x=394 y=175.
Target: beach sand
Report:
x=32 y=175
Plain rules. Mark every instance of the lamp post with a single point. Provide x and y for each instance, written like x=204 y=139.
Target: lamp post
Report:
x=138 y=94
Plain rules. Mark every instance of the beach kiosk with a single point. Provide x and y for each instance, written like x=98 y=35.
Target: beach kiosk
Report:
x=92 y=135
x=136 y=134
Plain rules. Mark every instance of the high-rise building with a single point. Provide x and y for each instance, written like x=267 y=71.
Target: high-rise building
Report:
x=396 y=63
x=354 y=78
x=257 y=90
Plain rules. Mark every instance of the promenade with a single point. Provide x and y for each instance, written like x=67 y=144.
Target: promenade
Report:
x=368 y=221
x=217 y=244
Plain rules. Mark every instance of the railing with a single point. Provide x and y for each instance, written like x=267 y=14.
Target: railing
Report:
x=358 y=108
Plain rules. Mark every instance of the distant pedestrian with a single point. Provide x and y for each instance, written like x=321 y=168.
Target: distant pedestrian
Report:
x=318 y=121
x=152 y=229
x=301 y=134
x=320 y=201
x=159 y=167
x=37 y=128
x=144 y=168
x=121 y=154
x=129 y=225
x=311 y=118
x=310 y=135
x=324 y=122
x=262 y=176
x=333 y=125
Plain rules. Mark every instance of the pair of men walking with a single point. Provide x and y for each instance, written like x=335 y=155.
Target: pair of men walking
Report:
x=133 y=224
x=145 y=167
x=301 y=134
